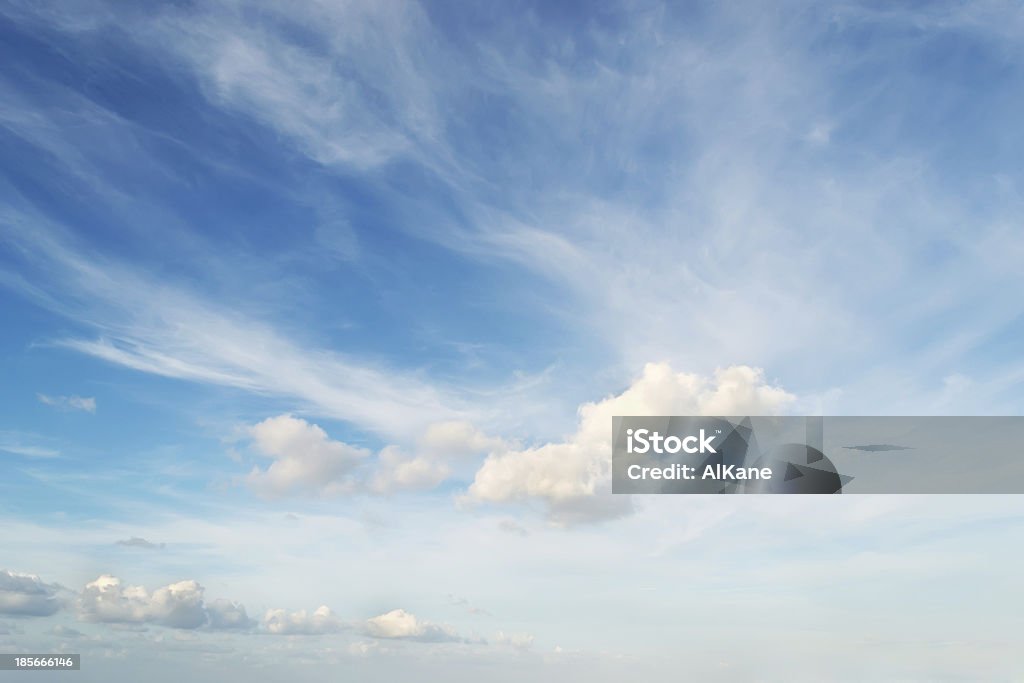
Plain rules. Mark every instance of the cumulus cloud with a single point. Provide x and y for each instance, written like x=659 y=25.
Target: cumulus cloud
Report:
x=284 y=623
x=572 y=478
x=305 y=459
x=457 y=438
x=438 y=453
x=226 y=615
x=177 y=605
x=403 y=625
x=27 y=595
x=85 y=404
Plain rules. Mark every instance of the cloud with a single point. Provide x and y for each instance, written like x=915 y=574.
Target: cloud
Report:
x=517 y=641
x=84 y=404
x=572 y=478
x=284 y=623
x=178 y=605
x=226 y=615
x=305 y=460
x=29 y=451
x=27 y=595
x=438 y=453
x=397 y=470
x=400 y=624
x=162 y=328
x=457 y=438
x=136 y=542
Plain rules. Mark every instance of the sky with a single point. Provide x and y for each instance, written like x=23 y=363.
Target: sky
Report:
x=315 y=315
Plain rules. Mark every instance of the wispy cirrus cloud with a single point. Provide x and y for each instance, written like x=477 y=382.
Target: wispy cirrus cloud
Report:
x=165 y=330
x=83 y=403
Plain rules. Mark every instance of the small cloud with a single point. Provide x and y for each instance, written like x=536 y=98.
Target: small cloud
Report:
x=878 y=447
x=136 y=542
x=820 y=134
x=470 y=608
x=283 y=623
x=28 y=451
x=400 y=624
x=83 y=403
x=517 y=641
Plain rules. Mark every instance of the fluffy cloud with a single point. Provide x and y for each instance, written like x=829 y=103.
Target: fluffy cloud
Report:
x=401 y=624
x=177 y=605
x=305 y=459
x=283 y=623
x=572 y=477
x=400 y=471
x=226 y=615
x=86 y=404
x=457 y=438
x=438 y=452
x=27 y=595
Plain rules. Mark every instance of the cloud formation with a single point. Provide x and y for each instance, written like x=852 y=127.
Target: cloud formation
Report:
x=400 y=624
x=305 y=460
x=177 y=605
x=281 y=622
x=27 y=595
x=438 y=453
x=572 y=478
x=85 y=404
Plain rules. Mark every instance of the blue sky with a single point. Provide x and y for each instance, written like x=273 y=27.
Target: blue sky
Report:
x=329 y=303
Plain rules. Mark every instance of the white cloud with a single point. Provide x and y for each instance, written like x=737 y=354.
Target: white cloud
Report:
x=398 y=470
x=438 y=452
x=284 y=623
x=27 y=595
x=517 y=641
x=29 y=451
x=86 y=404
x=227 y=615
x=403 y=625
x=457 y=438
x=164 y=329
x=573 y=477
x=305 y=459
x=177 y=605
